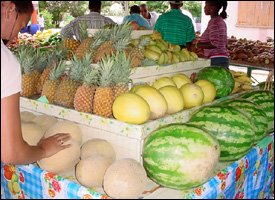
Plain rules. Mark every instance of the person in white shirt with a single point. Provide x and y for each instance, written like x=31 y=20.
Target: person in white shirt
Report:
x=94 y=20
x=14 y=150
x=41 y=22
x=151 y=17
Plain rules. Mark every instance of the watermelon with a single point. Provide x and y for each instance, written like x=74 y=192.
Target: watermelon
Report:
x=262 y=84
x=265 y=100
x=220 y=77
x=253 y=112
x=232 y=129
x=180 y=156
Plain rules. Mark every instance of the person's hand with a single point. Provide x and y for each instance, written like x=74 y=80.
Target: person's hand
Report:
x=54 y=143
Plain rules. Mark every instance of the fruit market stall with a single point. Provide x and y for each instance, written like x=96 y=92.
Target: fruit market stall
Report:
x=182 y=124
x=253 y=55
x=252 y=176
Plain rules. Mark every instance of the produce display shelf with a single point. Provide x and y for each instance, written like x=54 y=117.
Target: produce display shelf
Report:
x=150 y=73
x=251 y=177
x=127 y=139
x=251 y=66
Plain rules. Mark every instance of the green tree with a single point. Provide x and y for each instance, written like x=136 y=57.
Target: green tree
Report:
x=47 y=19
x=59 y=8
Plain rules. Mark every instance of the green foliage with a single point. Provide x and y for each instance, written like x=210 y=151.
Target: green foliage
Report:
x=59 y=8
x=48 y=19
x=194 y=7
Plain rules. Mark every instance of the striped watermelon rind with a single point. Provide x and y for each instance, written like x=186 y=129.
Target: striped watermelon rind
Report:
x=180 y=156
x=232 y=129
x=253 y=112
x=265 y=100
x=220 y=77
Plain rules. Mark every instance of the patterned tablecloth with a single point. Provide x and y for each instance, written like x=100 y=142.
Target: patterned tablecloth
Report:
x=251 y=177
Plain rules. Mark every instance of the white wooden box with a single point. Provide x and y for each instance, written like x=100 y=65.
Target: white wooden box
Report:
x=150 y=73
x=127 y=139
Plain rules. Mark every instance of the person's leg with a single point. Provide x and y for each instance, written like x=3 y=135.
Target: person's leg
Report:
x=220 y=61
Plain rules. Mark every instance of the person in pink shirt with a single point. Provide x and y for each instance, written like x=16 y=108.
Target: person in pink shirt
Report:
x=213 y=40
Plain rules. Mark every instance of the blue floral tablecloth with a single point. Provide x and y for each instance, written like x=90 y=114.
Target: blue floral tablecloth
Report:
x=251 y=177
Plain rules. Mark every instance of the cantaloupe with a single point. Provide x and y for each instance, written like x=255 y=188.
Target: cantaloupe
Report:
x=90 y=171
x=156 y=101
x=98 y=146
x=31 y=132
x=125 y=179
x=45 y=121
x=66 y=127
x=192 y=95
x=63 y=161
x=27 y=116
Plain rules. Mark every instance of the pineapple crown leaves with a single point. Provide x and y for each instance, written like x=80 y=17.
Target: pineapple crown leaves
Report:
x=106 y=71
x=143 y=42
x=121 y=35
x=82 y=30
x=122 y=68
x=77 y=67
x=26 y=58
x=90 y=76
x=58 y=70
x=40 y=58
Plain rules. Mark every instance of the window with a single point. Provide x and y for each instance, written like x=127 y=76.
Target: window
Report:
x=256 y=14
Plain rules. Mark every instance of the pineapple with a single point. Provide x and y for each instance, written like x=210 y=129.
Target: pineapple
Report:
x=52 y=59
x=86 y=41
x=50 y=86
x=71 y=44
x=135 y=53
x=83 y=99
x=27 y=61
x=40 y=64
x=64 y=95
x=121 y=75
x=117 y=40
x=103 y=97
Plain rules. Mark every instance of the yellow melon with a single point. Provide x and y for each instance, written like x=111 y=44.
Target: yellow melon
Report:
x=208 y=89
x=156 y=101
x=173 y=98
x=164 y=81
x=131 y=108
x=192 y=95
x=181 y=79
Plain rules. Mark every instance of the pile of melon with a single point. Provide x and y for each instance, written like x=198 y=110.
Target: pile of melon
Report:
x=167 y=95
x=183 y=156
x=91 y=163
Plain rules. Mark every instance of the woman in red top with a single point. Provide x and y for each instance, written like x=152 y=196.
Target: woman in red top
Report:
x=213 y=41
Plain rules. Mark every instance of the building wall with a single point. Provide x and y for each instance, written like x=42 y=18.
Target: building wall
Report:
x=239 y=32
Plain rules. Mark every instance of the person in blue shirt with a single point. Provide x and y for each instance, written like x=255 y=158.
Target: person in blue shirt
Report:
x=135 y=16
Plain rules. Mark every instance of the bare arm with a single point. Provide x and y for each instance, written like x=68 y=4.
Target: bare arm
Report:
x=14 y=150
